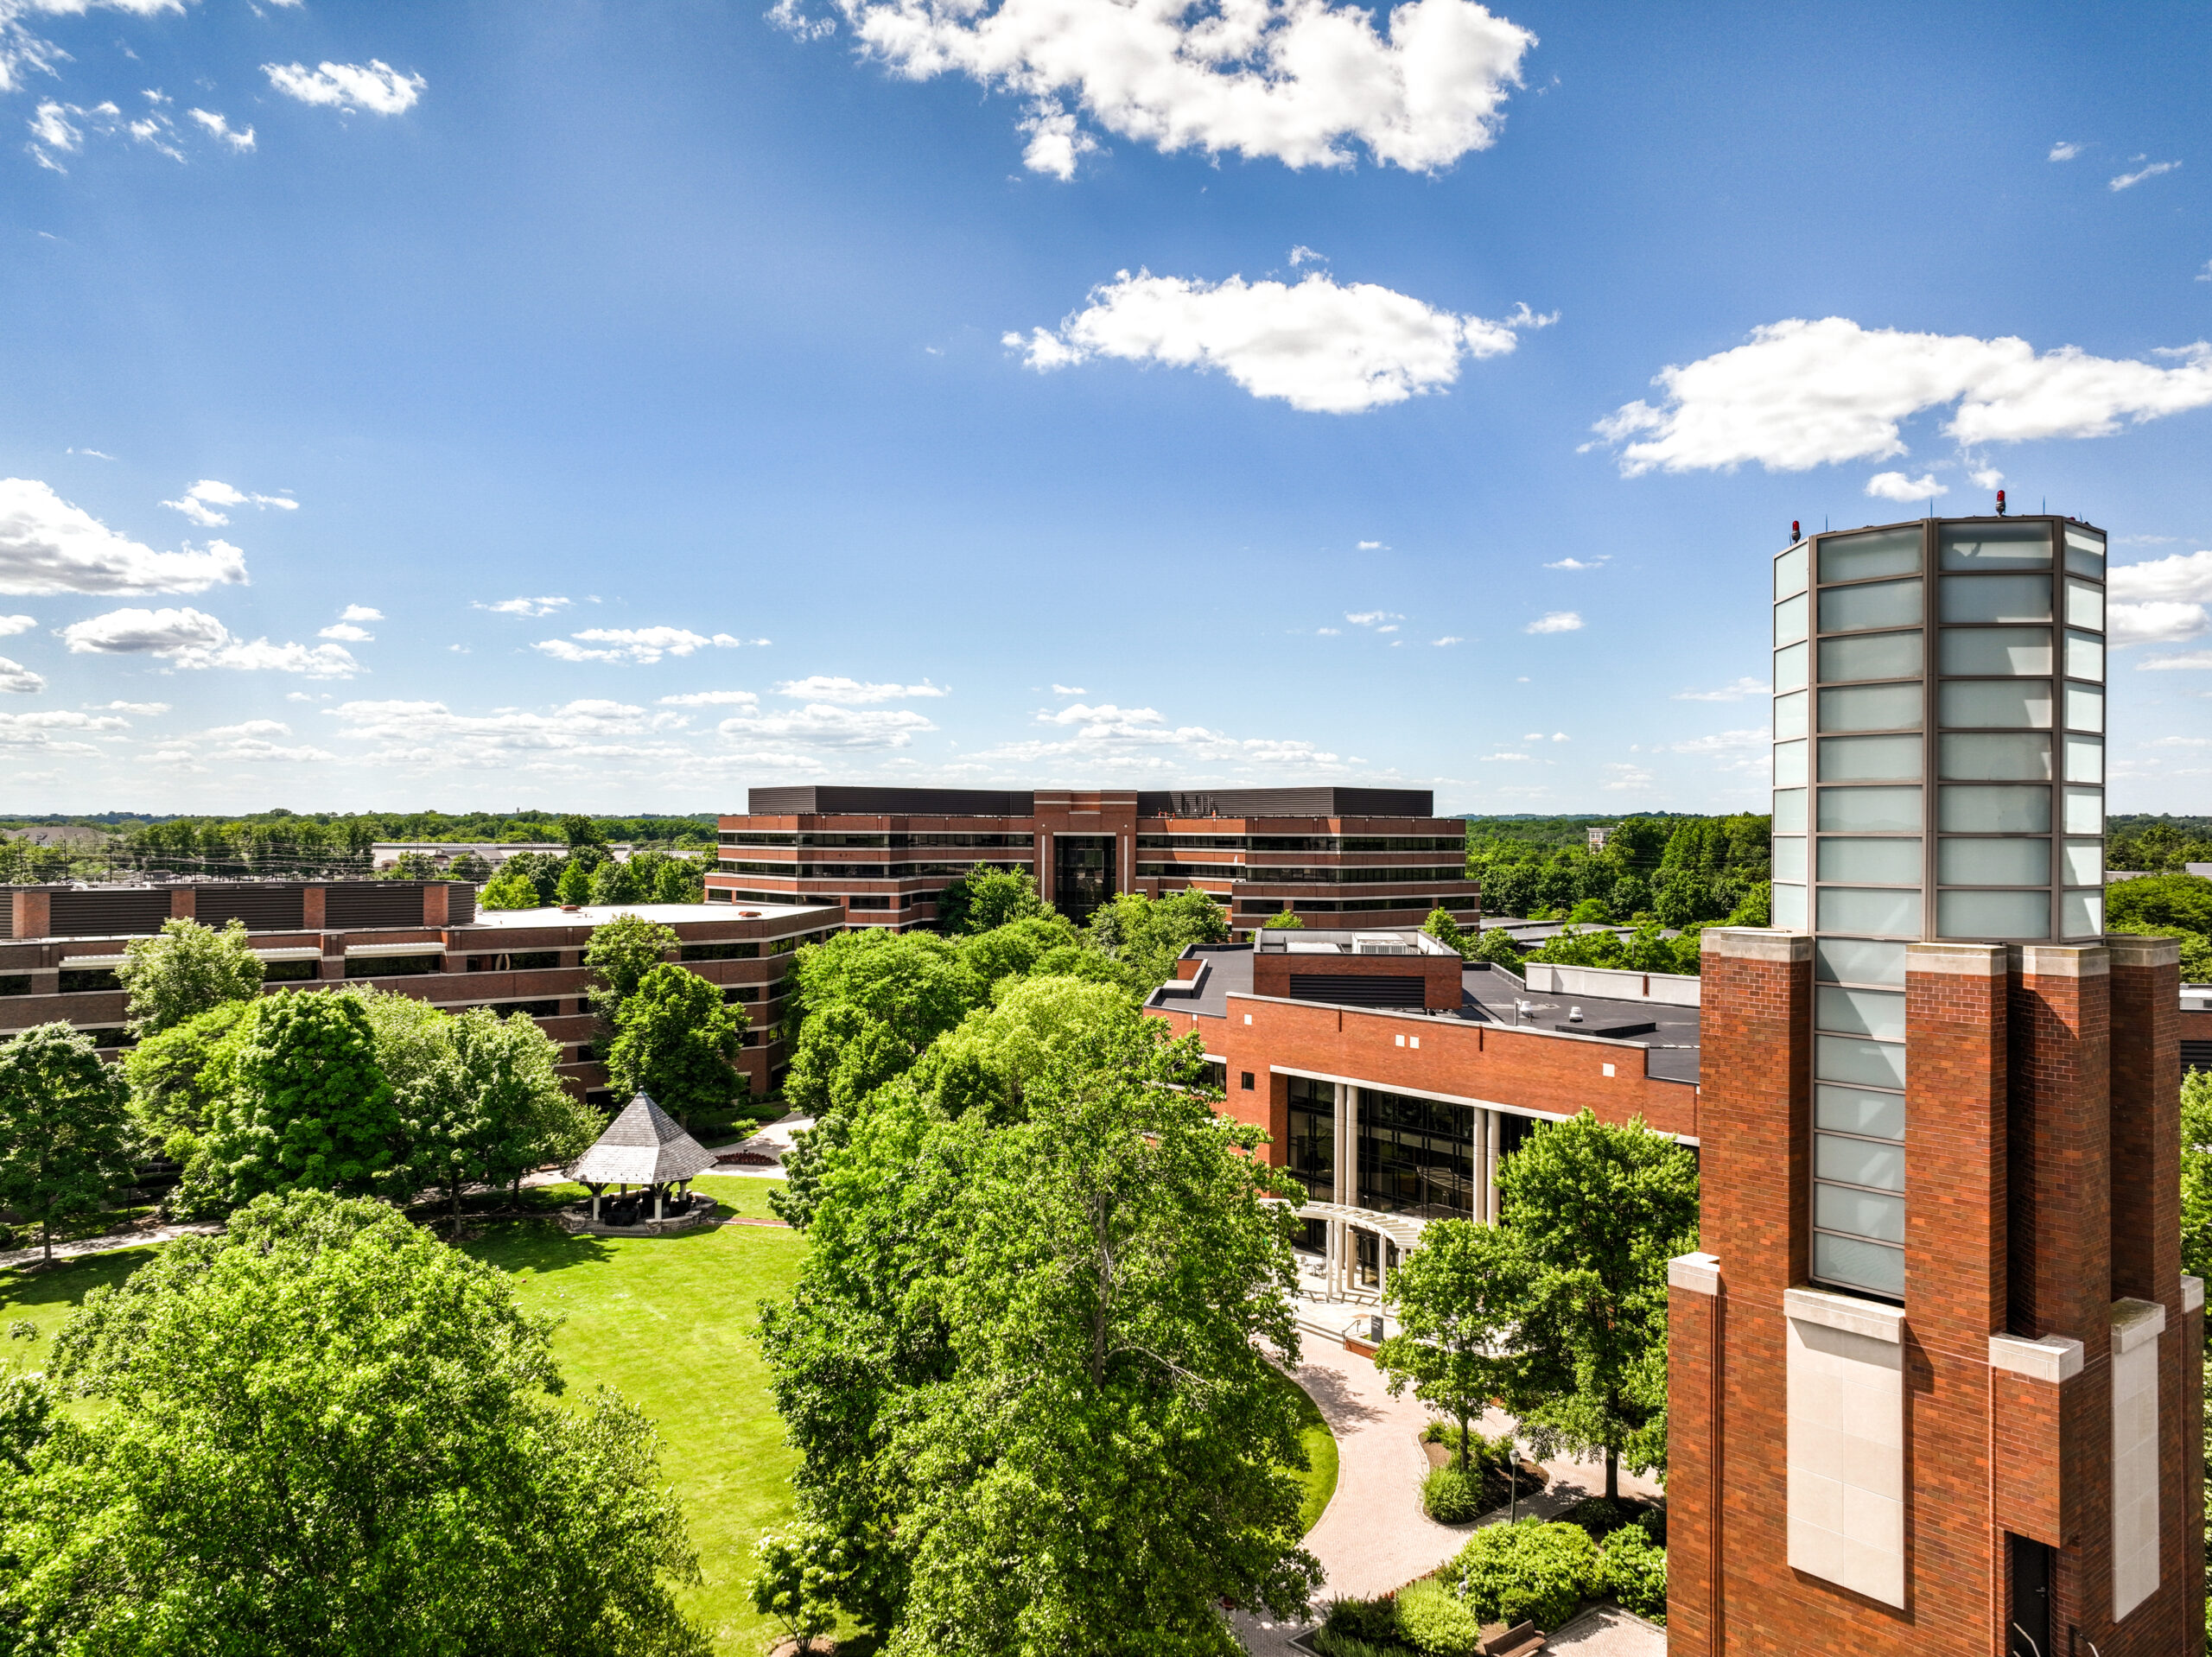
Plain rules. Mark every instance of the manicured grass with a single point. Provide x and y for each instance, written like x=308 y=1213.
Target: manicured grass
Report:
x=668 y=1322
x=1320 y=1447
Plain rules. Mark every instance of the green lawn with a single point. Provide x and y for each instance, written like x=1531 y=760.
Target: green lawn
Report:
x=669 y=1322
x=1321 y=1446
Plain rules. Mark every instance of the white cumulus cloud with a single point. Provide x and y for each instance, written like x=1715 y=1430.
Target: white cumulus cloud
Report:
x=2129 y=180
x=15 y=676
x=1895 y=486
x=643 y=646
x=1802 y=393
x=1737 y=692
x=359 y=612
x=1319 y=345
x=203 y=502
x=2160 y=602
x=15 y=625
x=2191 y=659
x=1301 y=81
x=347 y=632
x=375 y=86
x=712 y=699
x=2064 y=151
x=1555 y=621
x=821 y=725
x=47 y=545
x=221 y=128
x=1069 y=690
x=532 y=608
x=192 y=638
x=821 y=687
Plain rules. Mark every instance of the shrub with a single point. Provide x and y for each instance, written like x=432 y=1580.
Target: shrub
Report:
x=1531 y=1572
x=1632 y=1568
x=1451 y=1497
x=1374 y=1621
x=1602 y=1518
x=1343 y=1645
x=1437 y=1623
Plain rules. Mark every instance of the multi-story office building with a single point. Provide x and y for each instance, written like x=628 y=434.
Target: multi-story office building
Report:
x=60 y=947
x=1334 y=856
x=1934 y=1378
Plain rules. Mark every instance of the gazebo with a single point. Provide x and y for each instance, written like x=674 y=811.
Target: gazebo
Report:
x=646 y=1148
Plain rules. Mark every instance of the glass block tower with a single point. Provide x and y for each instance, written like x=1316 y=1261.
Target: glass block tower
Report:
x=1934 y=1374
x=1939 y=718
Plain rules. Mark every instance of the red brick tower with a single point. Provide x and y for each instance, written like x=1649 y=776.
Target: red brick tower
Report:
x=1935 y=1379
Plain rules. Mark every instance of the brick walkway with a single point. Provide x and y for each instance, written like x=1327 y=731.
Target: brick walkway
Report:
x=1373 y=1536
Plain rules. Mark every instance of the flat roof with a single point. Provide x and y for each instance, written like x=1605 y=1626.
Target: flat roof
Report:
x=820 y=800
x=599 y=914
x=1485 y=997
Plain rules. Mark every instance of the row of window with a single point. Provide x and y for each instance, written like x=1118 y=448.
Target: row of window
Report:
x=1967 y=757
x=1897 y=860
x=1302 y=843
x=888 y=841
x=1963 y=809
x=2022 y=704
x=1354 y=905
x=900 y=871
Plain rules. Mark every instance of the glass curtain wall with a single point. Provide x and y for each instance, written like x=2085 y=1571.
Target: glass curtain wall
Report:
x=1416 y=1156
x=1939 y=773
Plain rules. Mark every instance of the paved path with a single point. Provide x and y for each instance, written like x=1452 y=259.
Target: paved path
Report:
x=112 y=1241
x=1374 y=1537
x=772 y=1140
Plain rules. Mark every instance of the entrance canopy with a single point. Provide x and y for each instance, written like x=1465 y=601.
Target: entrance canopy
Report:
x=642 y=1146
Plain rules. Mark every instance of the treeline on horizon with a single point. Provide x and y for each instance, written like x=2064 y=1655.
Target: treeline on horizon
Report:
x=310 y=844
x=1678 y=871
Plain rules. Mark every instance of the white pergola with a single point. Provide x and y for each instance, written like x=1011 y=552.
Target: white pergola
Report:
x=1339 y=1221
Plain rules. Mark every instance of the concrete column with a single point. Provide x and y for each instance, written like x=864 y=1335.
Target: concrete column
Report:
x=1490 y=1171
x=1478 y=1169
x=1348 y=1181
x=1381 y=1264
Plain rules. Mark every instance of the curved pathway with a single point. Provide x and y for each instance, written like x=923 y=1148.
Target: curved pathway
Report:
x=1373 y=1536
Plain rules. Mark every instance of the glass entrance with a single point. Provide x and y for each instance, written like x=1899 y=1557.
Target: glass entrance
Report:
x=1082 y=873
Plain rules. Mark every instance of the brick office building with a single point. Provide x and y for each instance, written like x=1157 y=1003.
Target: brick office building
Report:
x=1352 y=856
x=59 y=945
x=1392 y=1078
x=1934 y=1377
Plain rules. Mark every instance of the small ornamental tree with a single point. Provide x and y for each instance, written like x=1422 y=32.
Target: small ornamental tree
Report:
x=1596 y=1212
x=178 y=1077
x=183 y=971
x=677 y=1041
x=64 y=1128
x=325 y=1433
x=1446 y=931
x=311 y=1108
x=1285 y=921
x=1457 y=1299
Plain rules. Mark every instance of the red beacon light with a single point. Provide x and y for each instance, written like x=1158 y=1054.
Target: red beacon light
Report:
x=2000 y=503
x=1794 y=537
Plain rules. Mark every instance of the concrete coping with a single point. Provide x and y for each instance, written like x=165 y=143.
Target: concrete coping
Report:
x=2129 y=951
x=2053 y=1358
x=1755 y=944
x=2134 y=1322
x=1698 y=1274
x=1964 y=960
x=2192 y=1293
x=2062 y=960
x=1848 y=1312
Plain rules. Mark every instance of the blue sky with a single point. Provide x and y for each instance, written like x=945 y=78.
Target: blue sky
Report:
x=618 y=407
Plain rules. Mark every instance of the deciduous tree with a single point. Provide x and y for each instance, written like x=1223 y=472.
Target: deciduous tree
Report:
x=677 y=1040
x=64 y=1128
x=1459 y=1299
x=325 y=1433
x=985 y=898
x=1596 y=1212
x=311 y=1108
x=185 y=969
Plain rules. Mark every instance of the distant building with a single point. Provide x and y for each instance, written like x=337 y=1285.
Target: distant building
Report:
x=386 y=853
x=1599 y=837
x=59 y=946
x=1332 y=856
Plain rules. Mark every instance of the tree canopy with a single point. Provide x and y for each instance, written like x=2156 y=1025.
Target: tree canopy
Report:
x=1596 y=1212
x=2177 y=906
x=66 y=1134
x=1046 y=1339
x=1458 y=1298
x=677 y=1040
x=184 y=970
x=987 y=897
x=325 y=1432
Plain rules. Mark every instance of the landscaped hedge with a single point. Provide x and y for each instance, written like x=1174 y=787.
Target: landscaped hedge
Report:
x=1528 y=1572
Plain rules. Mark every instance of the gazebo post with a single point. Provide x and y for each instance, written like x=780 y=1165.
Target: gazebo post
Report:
x=659 y=1191
x=594 y=1204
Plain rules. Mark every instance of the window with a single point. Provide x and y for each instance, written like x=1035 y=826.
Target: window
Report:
x=1245 y=1080
x=289 y=972
x=15 y=983
x=745 y=951
x=84 y=980
x=393 y=966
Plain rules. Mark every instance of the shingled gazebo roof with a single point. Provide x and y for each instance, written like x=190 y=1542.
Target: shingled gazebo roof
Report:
x=642 y=1146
